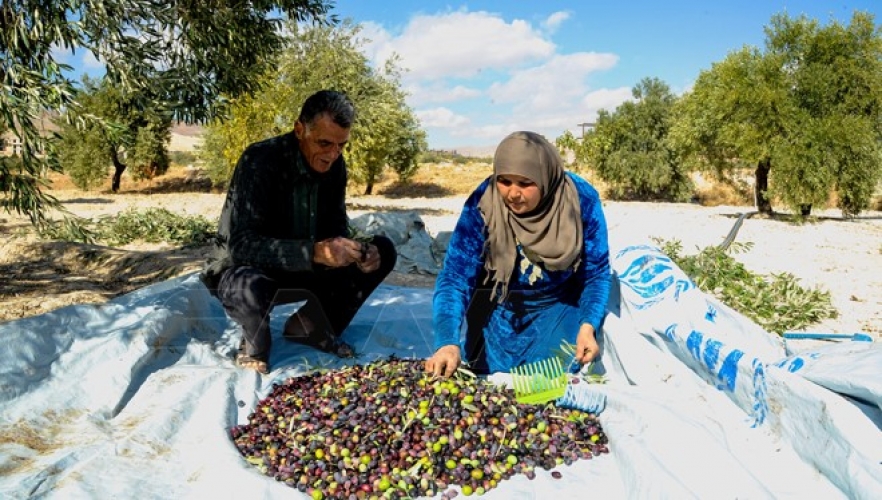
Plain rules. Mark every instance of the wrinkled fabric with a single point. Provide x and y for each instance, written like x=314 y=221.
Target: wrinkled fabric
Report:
x=551 y=232
x=529 y=327
x=135 y=398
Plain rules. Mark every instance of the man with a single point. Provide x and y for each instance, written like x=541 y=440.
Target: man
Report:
x=283 y=237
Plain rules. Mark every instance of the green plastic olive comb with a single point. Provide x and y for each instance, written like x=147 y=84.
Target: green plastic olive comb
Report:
x=539 y=382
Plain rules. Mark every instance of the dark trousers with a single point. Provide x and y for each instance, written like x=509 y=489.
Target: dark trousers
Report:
x=477 y=317
x=333 y=296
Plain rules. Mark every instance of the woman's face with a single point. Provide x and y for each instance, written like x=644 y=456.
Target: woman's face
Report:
x=520 y=194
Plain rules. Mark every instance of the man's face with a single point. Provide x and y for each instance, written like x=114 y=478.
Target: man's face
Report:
x=322 y=143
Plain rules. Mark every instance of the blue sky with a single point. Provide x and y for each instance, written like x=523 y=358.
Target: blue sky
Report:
x=476 y=71
x=479 y=70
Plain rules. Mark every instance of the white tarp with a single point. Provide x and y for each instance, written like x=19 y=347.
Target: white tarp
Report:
x=135 y=398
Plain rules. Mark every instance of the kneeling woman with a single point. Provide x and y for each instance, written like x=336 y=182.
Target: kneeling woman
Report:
x=527 y=267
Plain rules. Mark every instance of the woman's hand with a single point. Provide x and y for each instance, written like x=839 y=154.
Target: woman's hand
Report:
x=444 y=362
x=586 y=345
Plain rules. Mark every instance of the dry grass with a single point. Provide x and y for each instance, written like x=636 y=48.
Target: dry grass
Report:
x=717 y=194
x=432 y=180
x=178 y=179
x=447 y=179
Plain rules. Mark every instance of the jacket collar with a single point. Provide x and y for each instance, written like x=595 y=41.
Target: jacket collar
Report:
x=293 y=156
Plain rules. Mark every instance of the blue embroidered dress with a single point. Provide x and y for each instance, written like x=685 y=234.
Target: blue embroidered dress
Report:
x=543 y=308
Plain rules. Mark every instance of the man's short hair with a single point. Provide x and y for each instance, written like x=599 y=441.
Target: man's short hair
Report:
x=331 y=102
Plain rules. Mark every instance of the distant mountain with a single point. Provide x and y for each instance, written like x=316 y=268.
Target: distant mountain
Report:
x=187 y=130
x=185 y=137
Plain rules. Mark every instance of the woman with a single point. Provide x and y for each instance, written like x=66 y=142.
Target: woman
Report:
x=527 y=267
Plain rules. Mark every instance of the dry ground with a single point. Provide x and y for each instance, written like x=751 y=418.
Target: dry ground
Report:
x=841 y=256
x=41 y=276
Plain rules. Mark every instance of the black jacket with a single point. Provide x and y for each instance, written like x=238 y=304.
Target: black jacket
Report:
x=276 y=208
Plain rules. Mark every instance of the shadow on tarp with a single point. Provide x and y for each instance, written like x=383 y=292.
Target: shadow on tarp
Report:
x=393 y=321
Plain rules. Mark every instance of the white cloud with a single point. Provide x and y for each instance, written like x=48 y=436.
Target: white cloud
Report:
x=441 y=118
x=555 y=96
x=554 y=84
x=374 y=38
x=683 y=89
x=608 y=99
x=553 y=22
x=437 y=92
x=60 y=54
x=475 y=77
x=492 y=134
x=460 y=44
x=90 y=61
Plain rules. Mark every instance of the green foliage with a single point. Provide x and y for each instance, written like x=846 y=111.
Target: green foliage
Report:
x=169 y=53
x=116 y=128
x=808 y=110
x=155 y=225
x=76 y=158
x=777 y=303
x=579 y=147
x=74 y=229
x=152 y=225
x=183 y=158
x=386 y=132
x=149 y=153
x=629 y=148
x=20 y=190
x=403 y=158
x=439 y=156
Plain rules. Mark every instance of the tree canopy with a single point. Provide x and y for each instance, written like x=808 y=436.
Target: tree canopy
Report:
x=386 y=132
x=128 y=132
x=186 y=53
x=805 y=113
x=629 y=147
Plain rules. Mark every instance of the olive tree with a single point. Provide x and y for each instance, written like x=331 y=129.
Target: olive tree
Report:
x=386 y=132
x=629 y=147
x=182 y=52
x=126 y=134
x=805 y=113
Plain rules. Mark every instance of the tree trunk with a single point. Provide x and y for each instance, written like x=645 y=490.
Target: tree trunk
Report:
x=119 y=167
x=805 y=209
x=369 y=188
x=761 y=187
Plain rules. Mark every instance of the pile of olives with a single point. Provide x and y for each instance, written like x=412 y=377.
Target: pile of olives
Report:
x=388 y=429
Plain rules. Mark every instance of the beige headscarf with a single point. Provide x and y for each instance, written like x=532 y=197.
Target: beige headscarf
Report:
x=552 y=233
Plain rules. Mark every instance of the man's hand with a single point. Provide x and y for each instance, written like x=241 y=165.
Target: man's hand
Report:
x=586 y=345
x=444 y=362
x=369 y=261
x=338 y=252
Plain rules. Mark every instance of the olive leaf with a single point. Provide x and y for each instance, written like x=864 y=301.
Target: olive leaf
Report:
x=776 y=302
x=359 y=235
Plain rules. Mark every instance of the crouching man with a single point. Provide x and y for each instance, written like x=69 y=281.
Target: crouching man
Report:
x=283 y=237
